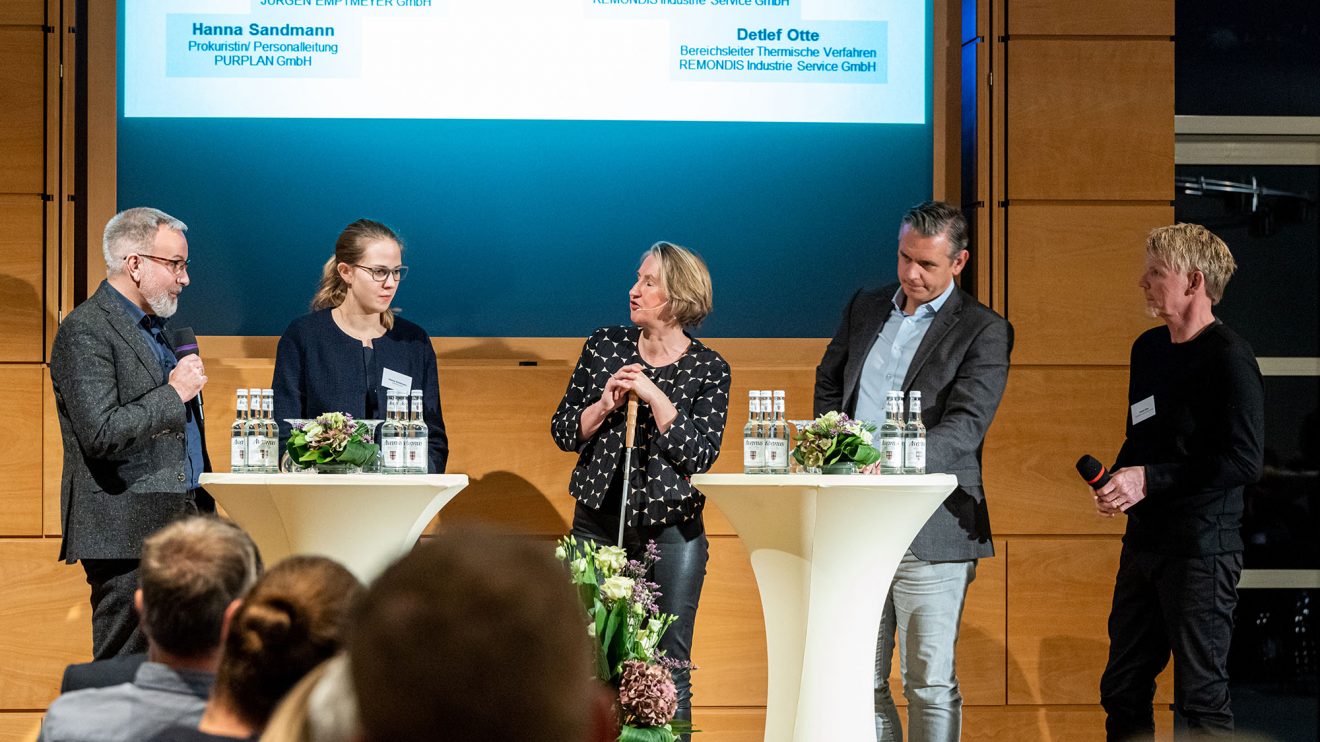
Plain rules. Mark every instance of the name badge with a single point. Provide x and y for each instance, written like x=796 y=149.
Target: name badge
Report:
x=1143 y=410
x=391 y=379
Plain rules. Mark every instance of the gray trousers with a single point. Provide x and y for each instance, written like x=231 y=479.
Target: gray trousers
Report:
x=921 y=618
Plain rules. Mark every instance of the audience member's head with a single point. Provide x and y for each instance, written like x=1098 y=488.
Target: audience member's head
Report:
x=292 y=620
x=320 y=708
x=192 y=573
x=474 y=636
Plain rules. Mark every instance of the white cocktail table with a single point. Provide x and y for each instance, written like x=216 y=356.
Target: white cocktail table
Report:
x=824 y=549
x=364 y=521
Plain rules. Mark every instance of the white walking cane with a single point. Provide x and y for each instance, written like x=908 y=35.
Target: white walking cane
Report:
x=629 y=435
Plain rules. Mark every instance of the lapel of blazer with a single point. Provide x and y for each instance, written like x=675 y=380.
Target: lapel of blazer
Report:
x=940 y=326
x=128 y=330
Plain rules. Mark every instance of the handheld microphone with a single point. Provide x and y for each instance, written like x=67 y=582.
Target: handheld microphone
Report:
x=185 y=344
x=1093 y=472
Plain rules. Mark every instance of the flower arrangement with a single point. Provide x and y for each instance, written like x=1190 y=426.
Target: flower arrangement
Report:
x=625 y=625
x=332 y=438
x=833 y=438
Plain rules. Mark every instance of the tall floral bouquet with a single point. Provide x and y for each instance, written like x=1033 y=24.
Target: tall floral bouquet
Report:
x=333 y=437
x=833 y=438
x=625 y=625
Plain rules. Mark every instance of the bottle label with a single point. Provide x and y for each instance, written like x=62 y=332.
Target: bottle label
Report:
x=237 y=453
x=776 y=453
x=256 y=451
x=270 y=453
x=753 y=453
x=415 y=449
x=391 y=453
x=891 y=452
x=914 y=456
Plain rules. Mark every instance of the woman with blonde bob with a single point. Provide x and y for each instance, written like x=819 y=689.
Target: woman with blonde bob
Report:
x=683 y=391
x=352 y=349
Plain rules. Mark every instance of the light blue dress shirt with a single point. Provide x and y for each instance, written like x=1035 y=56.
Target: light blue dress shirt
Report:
x=892 y=353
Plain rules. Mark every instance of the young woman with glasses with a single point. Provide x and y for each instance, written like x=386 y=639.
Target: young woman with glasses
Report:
x=352 y=349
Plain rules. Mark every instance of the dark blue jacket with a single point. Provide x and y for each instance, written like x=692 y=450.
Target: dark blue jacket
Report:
x=319 y=368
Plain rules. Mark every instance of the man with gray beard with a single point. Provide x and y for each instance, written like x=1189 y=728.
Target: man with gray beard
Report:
x=130 y=419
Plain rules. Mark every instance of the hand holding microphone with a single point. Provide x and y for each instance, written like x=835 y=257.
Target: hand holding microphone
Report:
x=189 y=376
x=1114 y=493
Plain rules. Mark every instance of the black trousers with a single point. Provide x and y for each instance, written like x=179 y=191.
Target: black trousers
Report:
x=680 y=573
x=115 y=629
x=1170 y=604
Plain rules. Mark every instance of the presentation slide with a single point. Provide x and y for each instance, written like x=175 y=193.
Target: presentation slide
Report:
x=529 y=151
x=822 y=61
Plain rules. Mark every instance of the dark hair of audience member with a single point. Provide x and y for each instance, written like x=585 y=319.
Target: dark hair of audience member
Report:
x=292 y=620
x=191 y=570
x=473 y=635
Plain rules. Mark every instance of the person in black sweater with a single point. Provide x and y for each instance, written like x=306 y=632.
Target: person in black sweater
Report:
x=683 y=392
x=346 y=354
x=1195 y=439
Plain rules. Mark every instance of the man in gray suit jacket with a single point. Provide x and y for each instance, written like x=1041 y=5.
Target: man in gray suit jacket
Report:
x=130 y=419
x=925 y=334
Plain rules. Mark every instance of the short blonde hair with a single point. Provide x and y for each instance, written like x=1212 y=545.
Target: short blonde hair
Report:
x=1192 y=247
x=686 y=281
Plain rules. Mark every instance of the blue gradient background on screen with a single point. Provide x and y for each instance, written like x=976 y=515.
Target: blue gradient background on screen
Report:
x=530 y=228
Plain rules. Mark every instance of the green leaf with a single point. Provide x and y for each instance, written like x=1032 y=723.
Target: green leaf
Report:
x=357 y=453
x=866 y=455
x=645 y=734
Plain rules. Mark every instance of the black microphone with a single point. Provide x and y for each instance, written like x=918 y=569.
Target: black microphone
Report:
x=185 y=344
x=1094 y=472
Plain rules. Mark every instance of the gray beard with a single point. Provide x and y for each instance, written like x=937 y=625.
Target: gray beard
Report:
x=163 y=305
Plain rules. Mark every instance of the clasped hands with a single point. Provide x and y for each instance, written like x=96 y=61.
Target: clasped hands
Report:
x=630 y=378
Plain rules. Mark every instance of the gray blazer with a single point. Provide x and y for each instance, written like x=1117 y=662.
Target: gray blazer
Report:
x=125 y=454
x=960 y=368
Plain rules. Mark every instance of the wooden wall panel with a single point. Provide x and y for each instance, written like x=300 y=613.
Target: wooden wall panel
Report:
x=1117 y=17
x=46 y=622
x=1050 y=417
x=22 y=98
x=22 y=279
x=52 y=459
x=728 y=643
x=20 y=467
x=1072 y=280
x=22 y=12
x=1046 y=724
x=729 y=724
x=1058 y=609
x=1089 y=120
x=20 y=726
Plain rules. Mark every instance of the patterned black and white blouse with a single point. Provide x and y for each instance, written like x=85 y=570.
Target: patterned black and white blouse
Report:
x=660 y=491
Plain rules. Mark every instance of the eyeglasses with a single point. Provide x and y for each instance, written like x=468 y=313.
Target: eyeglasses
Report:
x=179 y=266
x=380 y=274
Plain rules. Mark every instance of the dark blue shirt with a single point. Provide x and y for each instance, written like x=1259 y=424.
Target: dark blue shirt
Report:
x=153 y=330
